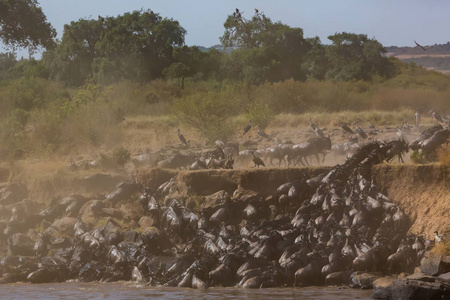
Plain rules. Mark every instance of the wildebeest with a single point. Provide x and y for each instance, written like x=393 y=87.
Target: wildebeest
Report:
x=278 y=152
x=313 y=146
x=396 y=148
x=429 y=145
x=414 y=145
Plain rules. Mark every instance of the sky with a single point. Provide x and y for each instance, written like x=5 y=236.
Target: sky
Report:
x=391 y=22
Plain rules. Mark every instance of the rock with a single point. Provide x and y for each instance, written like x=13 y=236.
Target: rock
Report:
x=444 y=278
x=435 y=264
x=383 y=282
x=365 y=280
x=146 y=221
x=20 y=244
x=63 y=226
x=421 y=277
x=404 y=289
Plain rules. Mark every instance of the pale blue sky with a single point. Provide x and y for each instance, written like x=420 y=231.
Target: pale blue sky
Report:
x=392 y=22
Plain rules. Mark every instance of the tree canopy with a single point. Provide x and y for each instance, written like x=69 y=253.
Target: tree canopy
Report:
x=267 y=51
x=141 y=46
x=135 y=46
x=355 y=56
x=23 y=24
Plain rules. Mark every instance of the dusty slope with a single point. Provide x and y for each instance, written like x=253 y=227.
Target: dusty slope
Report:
x=423 y=191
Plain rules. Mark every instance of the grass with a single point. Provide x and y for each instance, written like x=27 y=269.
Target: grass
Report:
x=444 y=155
x=441 y=249
x=333 y=119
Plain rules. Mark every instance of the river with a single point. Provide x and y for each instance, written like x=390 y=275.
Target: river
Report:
x=125 y=290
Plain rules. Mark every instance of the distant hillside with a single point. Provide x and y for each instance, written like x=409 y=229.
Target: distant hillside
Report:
x=437 y=57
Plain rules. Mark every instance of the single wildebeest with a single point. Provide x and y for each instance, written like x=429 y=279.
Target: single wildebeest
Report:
x=313 y=146
x=396 y=148
x=276 y=152
x=414 y=145
x=429 y=145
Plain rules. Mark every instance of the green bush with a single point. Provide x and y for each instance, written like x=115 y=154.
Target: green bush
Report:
x=418 y=157
x=260 y=114
x=209 y=113
x=120 y=156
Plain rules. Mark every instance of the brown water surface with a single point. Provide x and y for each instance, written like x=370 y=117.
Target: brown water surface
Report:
x=125 y=291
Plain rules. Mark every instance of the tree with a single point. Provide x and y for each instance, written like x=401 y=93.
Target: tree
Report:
x=23 y=24
x=269 y=51
x=135 y=46
x=354 y=56
x=7 y=61
x=177 y=70
x=72 y=60
x=316 y=62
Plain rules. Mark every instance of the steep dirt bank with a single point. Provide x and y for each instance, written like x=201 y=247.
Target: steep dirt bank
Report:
x=202 y=183
x=423 y=191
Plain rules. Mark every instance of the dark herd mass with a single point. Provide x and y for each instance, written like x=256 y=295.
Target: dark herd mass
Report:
x=311 y=231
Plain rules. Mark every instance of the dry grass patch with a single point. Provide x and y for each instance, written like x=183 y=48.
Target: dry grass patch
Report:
x=441 y=249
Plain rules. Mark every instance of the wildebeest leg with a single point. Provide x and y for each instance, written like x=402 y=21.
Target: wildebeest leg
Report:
x=306 y=161
x=323 y=160
x=317 y=157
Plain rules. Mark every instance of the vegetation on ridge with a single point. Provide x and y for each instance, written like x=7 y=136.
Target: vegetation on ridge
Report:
x=112 y=69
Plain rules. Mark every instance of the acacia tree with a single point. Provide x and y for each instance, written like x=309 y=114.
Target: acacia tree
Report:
x=266 y=50
x=23 y=24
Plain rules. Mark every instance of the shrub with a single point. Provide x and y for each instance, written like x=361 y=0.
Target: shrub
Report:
x=120 y=156
x=260 y=114
x=209 y=113
x=418 y=157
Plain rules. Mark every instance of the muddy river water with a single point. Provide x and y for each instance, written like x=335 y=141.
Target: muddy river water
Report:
x=123 y=290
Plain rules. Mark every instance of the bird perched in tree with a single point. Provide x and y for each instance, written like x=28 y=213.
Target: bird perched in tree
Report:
x=347 y=129
x=424 y=48
x=262 y=133
x=247 y=128
x=417 y=119
x=257 y=161
x=181 y=137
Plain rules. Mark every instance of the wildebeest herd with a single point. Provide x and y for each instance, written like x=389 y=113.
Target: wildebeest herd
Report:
x=314 y=149
x=309 y=231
